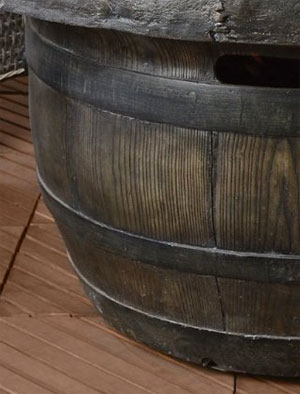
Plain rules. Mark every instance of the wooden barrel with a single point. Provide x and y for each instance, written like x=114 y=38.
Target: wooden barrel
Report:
x=176 y=188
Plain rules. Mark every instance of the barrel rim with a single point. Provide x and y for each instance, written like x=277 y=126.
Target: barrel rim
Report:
x=265 y=21
x=266 y=111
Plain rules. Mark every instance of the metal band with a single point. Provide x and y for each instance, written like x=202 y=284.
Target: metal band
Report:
x=257 y=354
x=100 y=292
x=260 y=267
x=241 y=109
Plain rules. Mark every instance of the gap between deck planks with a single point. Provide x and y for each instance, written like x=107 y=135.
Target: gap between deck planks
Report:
x=51 y=339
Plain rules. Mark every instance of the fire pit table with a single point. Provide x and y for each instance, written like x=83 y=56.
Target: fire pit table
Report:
x=167 y=137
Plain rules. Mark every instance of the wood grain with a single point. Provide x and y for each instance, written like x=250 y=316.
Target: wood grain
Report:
x=220 y=349
x=42 y=214
x=250 y=385
x=164 y=100
x=249 y=307
x=41 y=280
x=65 y=355
x=176 y=195
x=105 y=363
x=173 y=59
x=13 y=85
x=266 y=268
x=182 y=297
x=257 y=193
x=146 y=178
x=9 y=238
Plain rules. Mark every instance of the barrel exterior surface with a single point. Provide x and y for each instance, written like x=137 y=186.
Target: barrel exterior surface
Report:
x=178 y=196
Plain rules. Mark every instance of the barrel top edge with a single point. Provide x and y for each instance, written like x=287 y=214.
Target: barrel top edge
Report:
x=262 y=22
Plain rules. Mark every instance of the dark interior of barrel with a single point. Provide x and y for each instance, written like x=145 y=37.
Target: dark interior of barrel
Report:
x=259 y=70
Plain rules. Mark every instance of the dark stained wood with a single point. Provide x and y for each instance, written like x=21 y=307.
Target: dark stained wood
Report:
x=186 y=298
x=257 y=193
x=152 y=56
x=164 y=100
x=146 y=178
x=262 y=21
x=132 y=307
x=84 y=349
x=177 y=195
x=260 y=267
x=207 y=347
x=249 y=307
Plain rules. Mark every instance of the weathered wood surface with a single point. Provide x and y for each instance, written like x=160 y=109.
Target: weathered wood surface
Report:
x=182 y=101
x=135 y=163
x=256 y=196
x=132 y=208
x=75 y=354
x=261 y=21
x=180 y=211
x=222 y=350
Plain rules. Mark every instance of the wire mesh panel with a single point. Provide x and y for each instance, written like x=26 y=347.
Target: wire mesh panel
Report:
x=11 y=44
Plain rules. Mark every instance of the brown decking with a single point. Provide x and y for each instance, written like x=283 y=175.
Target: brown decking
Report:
x=51 y=339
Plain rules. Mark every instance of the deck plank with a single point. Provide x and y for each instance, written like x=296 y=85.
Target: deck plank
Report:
x=257 y=385
x=11 y=104
x=88 y=357
x=18 y=171
x=15 y=383
x=15 y=85
x=16 y=143
x=42 y=270
x=21 y=99
x=42 y=214
x=17 y=157
x=14 y=118
x=64 y=298
x=14 y=130
x=42 y=374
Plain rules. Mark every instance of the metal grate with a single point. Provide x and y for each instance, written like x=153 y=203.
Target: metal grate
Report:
x=11 y=44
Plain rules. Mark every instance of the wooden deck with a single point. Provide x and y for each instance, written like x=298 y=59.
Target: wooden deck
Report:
x=51 y=339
